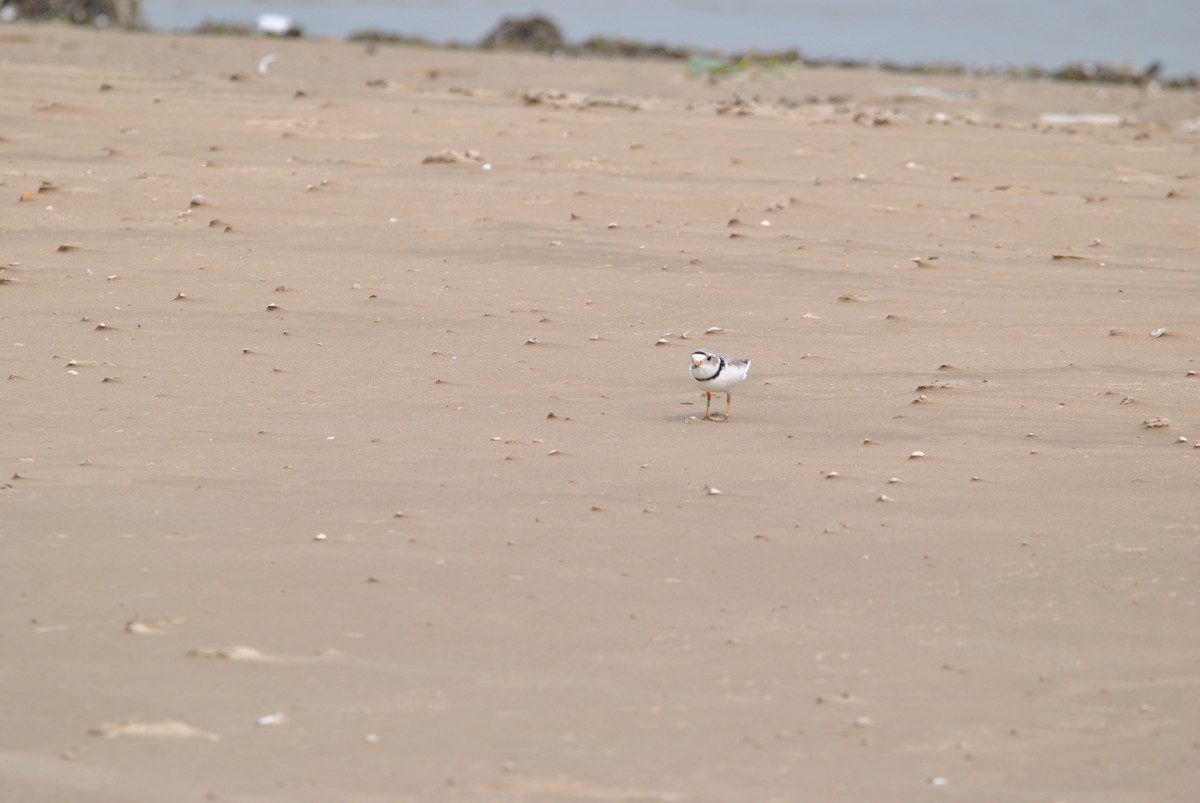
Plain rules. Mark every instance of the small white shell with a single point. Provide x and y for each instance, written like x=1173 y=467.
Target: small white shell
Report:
x=711 y=491
x=916 y=455
x=1158 y=332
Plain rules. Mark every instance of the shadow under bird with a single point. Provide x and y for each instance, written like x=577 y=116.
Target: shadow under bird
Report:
x=718 y=373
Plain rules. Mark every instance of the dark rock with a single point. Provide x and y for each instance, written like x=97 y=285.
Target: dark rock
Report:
x=535 y=33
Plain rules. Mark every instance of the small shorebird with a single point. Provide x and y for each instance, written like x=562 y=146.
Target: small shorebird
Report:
x=718 y=373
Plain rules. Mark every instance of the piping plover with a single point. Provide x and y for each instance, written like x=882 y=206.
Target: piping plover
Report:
x=718 y=373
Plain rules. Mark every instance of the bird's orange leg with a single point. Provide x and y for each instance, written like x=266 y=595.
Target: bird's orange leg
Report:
x=728 y=404
x=707 y=405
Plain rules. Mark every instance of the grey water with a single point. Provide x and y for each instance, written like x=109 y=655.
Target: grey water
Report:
x=972 y=33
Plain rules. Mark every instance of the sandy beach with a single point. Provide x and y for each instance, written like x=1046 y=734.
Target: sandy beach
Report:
x=349 y=451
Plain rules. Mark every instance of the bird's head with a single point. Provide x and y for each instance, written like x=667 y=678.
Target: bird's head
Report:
x=700 y=358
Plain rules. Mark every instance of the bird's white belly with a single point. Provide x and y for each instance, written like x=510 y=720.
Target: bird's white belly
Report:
x=723 y=382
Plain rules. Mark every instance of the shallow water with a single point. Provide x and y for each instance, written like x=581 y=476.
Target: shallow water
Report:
x=970 y=32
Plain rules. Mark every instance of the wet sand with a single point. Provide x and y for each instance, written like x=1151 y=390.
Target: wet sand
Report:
x=292 y=510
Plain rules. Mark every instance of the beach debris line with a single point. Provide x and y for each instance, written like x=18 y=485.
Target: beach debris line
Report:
x=450 y=156
x=163 y=729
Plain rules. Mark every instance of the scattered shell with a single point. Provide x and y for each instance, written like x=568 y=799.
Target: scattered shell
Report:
x=939 y=781
x=831 y=475
x=712 y=330
x=662 y=341
x=1158 y=333
x=613 y=225
x=270 y=720
x=1181 y=439
x=1155 y=423
x=531 y=341
x=198 y=200
x=594 y=337
x=894 y=480
x=320 y=537
x=884 y=498
x=916 y=455
x=711 y=491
